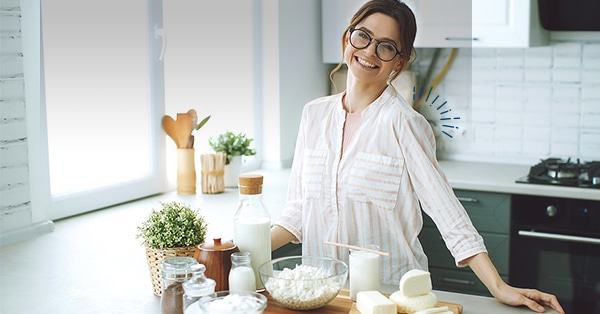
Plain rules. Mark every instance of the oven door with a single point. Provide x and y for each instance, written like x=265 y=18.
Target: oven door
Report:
x=565 y=265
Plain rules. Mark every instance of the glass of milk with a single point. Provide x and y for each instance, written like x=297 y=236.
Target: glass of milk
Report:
x=364 y=270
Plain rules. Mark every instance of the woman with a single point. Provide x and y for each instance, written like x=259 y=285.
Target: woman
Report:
x=365 y=165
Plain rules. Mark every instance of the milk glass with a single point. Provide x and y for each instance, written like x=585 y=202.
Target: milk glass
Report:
x=364 y=271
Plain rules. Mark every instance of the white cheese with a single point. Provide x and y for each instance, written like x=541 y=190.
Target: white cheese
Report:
x=434 y=310
x=413 y=304
x=415 y=282
x=373 y=302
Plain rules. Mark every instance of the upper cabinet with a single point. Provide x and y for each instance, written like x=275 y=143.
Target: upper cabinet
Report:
x=507 y=23
x=443 y=23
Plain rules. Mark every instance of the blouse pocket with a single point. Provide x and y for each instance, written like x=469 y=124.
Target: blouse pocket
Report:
x=313 y=170
x=376 y=179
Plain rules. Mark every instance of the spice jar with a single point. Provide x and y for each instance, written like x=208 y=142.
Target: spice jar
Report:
x=197 y=287
x=175 y=270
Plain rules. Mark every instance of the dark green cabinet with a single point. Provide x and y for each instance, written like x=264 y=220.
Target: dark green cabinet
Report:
x=490 y=213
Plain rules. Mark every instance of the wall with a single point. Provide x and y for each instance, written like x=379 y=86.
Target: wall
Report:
x=521 y=105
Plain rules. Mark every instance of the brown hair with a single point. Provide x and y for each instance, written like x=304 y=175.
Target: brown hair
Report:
x=406 y=22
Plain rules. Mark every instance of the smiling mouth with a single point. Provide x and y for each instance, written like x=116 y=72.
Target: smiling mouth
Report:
x=365 y=63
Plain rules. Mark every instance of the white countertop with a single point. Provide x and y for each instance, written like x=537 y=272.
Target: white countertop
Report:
x=496 y=177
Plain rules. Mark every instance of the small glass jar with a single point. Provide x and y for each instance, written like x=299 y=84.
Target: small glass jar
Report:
x=175 y=270
x=241 y=276
x=197 y=287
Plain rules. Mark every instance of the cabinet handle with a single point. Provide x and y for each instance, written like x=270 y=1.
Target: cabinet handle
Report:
x=461 y=38
x=468 y=199
x=458 y=281
x=558 y=237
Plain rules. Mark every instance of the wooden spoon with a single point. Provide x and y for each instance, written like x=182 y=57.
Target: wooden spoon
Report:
x=170 y=128
x=184 y=129
x=194 y=115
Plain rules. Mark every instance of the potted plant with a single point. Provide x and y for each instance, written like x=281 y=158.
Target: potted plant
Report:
x=234 y=146
x=173 y=230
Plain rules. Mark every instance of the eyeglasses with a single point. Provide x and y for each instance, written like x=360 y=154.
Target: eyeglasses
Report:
x=385 y=50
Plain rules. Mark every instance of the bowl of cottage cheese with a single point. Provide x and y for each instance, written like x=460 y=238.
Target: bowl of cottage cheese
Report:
x=303 y=282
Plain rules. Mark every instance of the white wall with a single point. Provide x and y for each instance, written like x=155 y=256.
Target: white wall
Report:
x=524 y=104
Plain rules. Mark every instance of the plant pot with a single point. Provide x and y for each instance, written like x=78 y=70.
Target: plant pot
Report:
x=155 y=258
x=232 y=171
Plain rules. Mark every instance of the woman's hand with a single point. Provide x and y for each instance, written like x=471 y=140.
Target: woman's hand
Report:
x=533 y=299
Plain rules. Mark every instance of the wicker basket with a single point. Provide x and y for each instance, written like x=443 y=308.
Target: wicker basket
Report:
x=155 y=258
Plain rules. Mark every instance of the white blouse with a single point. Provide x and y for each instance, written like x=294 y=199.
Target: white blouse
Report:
x=374 y=193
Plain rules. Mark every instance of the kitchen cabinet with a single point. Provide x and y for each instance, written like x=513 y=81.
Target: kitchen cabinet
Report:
x=490 y=214
x=442 y=23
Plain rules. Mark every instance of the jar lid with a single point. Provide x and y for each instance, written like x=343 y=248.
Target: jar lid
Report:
x=250 y=183
x=217 y=245
x=199 y=284
x=178 y=265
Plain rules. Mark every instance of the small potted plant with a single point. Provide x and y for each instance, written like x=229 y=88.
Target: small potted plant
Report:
x=173 y=230
x=234 y=146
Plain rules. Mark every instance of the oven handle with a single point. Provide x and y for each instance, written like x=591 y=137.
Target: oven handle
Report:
x=559 y=237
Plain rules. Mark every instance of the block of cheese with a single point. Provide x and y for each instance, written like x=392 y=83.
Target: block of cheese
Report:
x=413 y=304
x=434 y=310
x=415 y=282
x=373 y=302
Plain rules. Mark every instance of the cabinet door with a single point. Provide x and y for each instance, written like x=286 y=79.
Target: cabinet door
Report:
x=442 y=23
x=507 y=23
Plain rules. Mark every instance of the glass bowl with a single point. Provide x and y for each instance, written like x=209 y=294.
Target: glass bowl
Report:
x=224 y=302
x=303 y=282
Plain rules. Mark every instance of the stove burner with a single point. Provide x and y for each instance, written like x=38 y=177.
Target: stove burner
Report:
x=557 y=171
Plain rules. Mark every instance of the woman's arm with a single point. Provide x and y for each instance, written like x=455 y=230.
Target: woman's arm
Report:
x=280 y=237
x=483 y=267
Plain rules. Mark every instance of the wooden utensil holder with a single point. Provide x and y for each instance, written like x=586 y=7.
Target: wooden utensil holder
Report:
x=213 y=166
x=186 y=171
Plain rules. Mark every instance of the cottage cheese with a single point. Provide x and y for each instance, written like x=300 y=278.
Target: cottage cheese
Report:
x=304 y=287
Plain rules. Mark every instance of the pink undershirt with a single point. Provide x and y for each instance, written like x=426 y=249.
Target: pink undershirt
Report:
x=353 y=122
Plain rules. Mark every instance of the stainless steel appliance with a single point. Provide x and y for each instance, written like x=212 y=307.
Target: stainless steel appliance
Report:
x=555 y=242
x=557 y=171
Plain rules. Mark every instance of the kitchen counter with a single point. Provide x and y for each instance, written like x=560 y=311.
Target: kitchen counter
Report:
x=496 y=177
x=473 y=304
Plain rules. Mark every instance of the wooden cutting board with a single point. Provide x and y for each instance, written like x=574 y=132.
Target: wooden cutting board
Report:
x=342 y=304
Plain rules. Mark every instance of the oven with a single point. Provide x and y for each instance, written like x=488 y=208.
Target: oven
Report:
x=555 y=248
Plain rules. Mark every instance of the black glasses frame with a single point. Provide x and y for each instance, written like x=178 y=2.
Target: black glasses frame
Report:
x=371 y=39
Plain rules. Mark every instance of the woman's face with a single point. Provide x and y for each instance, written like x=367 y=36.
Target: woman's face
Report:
x=364 y=63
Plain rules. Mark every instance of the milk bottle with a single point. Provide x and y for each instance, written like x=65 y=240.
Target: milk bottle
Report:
x=252 y=223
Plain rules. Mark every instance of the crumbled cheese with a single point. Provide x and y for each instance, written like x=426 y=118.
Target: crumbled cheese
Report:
x=300 y=288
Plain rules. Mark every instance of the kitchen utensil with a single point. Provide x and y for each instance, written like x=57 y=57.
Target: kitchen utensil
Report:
x=357 y=248
x=216 y=257
x=194 y=117
x=170 y=128
x=184 y=129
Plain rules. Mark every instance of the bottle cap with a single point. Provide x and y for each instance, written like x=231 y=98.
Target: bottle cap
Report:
x=217 y=245
x=250 y=183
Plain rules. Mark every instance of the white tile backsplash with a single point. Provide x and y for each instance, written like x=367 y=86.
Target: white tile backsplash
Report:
x=526 y=104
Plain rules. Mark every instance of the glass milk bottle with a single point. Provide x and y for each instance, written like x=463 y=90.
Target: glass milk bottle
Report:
x=241 y=276
x=252 y=223
x=195 y=288
x=364 y=271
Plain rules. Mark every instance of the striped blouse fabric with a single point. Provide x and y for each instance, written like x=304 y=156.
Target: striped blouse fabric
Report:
x=374 y=193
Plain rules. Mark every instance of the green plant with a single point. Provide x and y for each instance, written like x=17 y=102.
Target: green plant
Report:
x=174 y=225
x=232 y=145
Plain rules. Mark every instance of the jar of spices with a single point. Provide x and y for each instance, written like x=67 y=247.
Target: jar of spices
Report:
x=175 y=270
x=197 y=287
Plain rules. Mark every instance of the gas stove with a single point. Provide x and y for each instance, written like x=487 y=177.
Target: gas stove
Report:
x=557 y=171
